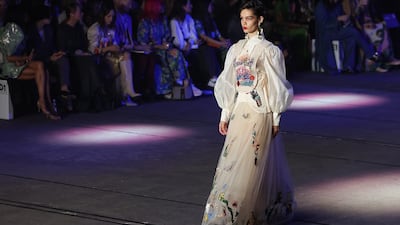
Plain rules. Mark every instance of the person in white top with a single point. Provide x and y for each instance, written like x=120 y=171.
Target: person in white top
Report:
x=104 y=41
x=185 y=37
x=252 y=184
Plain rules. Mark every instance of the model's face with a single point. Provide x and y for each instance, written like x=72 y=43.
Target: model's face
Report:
x=109 y=17
x=250 y=22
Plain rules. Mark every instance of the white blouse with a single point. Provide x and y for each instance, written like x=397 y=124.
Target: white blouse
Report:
x=183 y=31
x=100 y=38
x=254 y=72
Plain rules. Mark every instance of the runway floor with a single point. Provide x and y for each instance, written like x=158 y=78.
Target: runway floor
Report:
x=154 y=164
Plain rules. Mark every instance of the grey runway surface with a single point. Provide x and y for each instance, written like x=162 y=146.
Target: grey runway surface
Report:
x=154 y=164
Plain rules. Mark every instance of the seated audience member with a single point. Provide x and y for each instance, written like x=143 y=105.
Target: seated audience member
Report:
x=374 y=27
x=153 y=30
x=186 y=39
x=125 y=13
x=213 y=47
x=20 y=67
x=77 y=61
x=331 y=23
x=103 y=40
x=41 y=40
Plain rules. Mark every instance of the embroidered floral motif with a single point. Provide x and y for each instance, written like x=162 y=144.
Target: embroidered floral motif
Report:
x=243 y=73
x=255 y=144
x=256 y=97
x=227 y=147
x=226 y=150
x=233 y=215
x=279 y=210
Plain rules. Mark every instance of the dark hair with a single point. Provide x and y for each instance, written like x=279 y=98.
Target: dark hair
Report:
x=40 y=12
x=152 y=9
x=177 y=10
x=104 y=11
x=200 y=12
x=71 y=8
x=255 y=5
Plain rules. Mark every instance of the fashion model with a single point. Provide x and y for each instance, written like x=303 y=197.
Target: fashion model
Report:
x=252 y=183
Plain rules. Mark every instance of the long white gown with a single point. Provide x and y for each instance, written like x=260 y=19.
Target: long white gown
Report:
x=252 y=183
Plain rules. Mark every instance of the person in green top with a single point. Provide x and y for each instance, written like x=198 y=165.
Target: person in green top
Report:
x=19 y=67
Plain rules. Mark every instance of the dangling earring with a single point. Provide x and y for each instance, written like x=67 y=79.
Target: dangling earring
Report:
x=260 y=32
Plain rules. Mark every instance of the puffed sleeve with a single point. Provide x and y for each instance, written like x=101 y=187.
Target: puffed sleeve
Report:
x=279 y=91
x=225 y=86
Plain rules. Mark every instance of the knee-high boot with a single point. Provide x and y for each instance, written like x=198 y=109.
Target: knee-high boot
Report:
x=126 y=78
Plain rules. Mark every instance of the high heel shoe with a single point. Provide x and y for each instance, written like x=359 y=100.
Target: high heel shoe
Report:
x=46 y=113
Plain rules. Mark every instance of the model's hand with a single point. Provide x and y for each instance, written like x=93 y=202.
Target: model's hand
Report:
x=275 y=130
x=223 y=128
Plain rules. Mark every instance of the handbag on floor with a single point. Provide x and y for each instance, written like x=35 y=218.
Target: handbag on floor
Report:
x=183 y=92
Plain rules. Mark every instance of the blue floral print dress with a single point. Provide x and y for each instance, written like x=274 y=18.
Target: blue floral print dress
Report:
x=252 y=183
x=173 y=64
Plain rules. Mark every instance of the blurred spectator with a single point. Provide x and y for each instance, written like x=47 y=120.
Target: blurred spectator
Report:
x=71 y=40
x=154 y=30
x=22 y=67
x=41 y=40
x=333 y=24
x=186 y=39
x=226 y=17
x=214 y=47
x=104 y=41
x=375 y=28
x=92 y=9
x=390 y=7
x=125 y=30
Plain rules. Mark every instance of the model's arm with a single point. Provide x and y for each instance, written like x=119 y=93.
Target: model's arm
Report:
x=225 y=91
x=279 y=90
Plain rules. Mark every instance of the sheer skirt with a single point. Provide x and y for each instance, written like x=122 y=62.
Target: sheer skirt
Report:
x=252 y=184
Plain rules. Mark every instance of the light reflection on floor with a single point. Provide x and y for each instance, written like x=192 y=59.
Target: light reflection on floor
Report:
x=375 y=194
x=116 y=134
x=329 y=101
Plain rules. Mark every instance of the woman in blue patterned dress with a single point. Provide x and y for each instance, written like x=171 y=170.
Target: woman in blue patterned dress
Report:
x=153 y=30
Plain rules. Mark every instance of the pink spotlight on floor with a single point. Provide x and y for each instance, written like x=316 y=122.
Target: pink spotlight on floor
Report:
x=375 y=195
x=328 y=101
x=116 y=134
